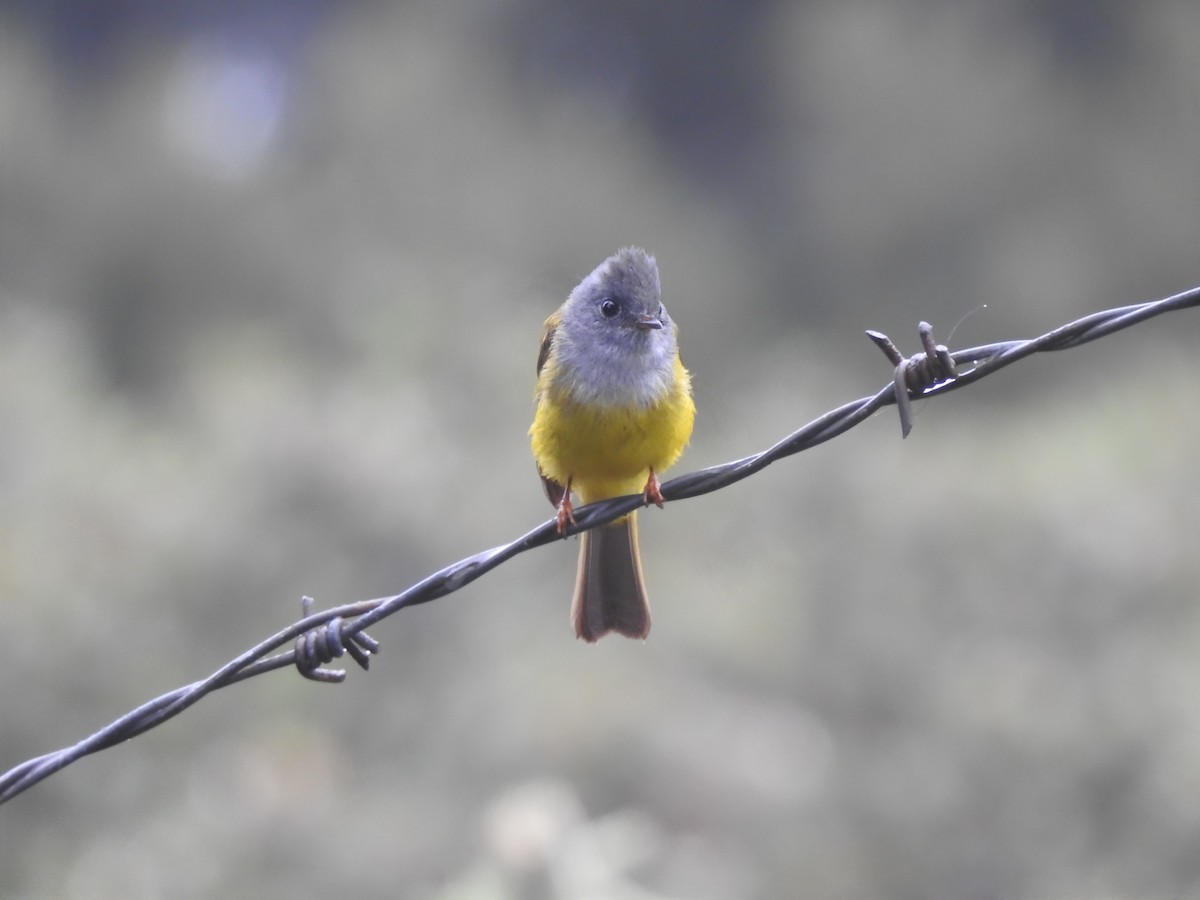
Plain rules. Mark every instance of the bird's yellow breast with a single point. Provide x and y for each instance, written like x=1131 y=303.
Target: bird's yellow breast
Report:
x=607 y=451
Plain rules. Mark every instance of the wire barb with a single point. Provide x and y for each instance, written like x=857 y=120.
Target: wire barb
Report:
x=328 y=642
x=320 y=636
x=925 y=370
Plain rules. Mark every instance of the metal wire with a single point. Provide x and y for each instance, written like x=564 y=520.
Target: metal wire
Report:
x=321 y=637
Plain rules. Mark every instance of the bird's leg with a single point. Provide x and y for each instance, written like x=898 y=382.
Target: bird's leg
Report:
x=651 y=493
x=566 y=512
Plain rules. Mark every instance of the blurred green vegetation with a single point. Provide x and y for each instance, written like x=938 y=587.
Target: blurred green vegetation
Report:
x=271 y=284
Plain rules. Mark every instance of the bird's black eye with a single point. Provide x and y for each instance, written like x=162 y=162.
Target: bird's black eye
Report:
x=609 y=307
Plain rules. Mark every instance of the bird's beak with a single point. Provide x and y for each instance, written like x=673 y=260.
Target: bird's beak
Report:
x=649 y=322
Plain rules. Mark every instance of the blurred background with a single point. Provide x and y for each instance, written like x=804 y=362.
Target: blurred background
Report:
x=272 y=278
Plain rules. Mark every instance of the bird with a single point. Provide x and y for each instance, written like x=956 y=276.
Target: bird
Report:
x=613 y=410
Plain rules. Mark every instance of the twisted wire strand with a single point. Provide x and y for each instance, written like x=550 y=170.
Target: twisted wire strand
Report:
x=322 y=636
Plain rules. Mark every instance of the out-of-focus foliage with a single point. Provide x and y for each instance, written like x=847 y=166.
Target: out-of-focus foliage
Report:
x=271 y=283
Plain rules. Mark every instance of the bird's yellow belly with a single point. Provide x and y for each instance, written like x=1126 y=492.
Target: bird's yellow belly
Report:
x=608 y=451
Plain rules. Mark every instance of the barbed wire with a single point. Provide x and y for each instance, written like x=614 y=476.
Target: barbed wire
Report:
x=323 y=636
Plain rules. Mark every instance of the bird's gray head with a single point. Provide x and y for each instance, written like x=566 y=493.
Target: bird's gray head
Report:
x=615 y=338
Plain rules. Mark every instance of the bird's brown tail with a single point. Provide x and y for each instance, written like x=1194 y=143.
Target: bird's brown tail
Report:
x=610 y=594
